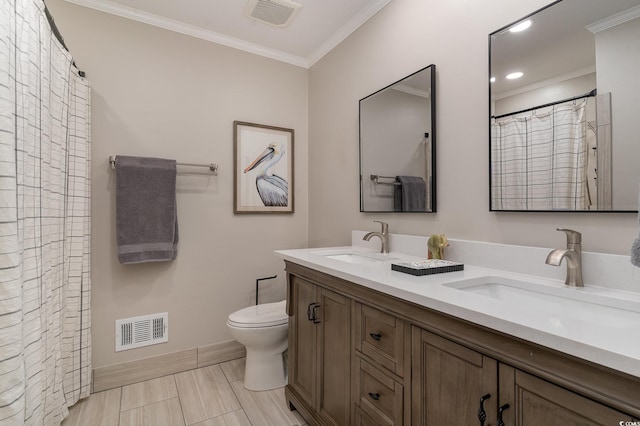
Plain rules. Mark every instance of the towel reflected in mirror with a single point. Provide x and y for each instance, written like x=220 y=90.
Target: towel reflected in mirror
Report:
x=410 y=195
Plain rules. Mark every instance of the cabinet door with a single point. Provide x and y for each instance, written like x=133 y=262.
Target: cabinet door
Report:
x=302 y=342
x=448 y=381
x=334 y=363
x=533 y=401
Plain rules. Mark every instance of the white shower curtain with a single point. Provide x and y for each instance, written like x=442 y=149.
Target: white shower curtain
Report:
x=45 y=340
x=538 y=159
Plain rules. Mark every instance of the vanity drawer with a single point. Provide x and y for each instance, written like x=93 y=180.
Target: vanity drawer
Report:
x=378 y=395
x=362 y=419
x=380 y=337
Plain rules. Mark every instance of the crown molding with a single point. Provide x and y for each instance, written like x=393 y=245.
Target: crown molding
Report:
x=411 y=90
x=345 y=31
x=613 y=20
x=353 y=24
x=190 y=30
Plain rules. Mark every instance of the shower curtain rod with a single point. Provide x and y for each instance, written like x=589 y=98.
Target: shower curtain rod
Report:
x=56 y=32
x=575 y=98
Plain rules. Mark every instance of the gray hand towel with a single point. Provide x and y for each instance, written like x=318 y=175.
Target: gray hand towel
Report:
x=146 y=220
x=635 y=247
x=410 y=195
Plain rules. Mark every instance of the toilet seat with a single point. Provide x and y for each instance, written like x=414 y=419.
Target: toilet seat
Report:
x=260 y=316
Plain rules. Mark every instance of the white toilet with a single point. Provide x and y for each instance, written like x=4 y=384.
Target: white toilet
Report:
x=263 y=330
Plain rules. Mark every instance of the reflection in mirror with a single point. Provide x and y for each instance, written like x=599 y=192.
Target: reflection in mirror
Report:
x=397 y=146
x=565 y=130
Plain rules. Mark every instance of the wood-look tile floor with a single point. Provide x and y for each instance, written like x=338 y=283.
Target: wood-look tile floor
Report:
x=207 y=396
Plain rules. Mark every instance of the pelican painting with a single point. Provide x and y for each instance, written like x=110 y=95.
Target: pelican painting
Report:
x=273 y=190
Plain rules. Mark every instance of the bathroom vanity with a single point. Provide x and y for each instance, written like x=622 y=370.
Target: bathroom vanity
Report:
x=371 y=346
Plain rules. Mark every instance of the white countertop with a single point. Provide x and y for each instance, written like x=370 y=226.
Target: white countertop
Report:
x=615 y=345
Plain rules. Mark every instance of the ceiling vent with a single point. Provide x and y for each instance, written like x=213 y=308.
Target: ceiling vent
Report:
x=278 y=13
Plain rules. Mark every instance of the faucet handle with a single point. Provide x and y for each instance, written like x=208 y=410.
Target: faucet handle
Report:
x=573 y=237
x=385 y=226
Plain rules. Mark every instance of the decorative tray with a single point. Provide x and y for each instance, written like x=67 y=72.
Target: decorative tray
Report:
x=427 y=267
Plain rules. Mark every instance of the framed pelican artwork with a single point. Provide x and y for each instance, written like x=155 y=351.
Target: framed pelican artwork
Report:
x=263 y=168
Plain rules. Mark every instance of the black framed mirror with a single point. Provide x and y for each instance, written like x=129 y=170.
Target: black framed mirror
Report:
x=564 y=96
x=398 y=146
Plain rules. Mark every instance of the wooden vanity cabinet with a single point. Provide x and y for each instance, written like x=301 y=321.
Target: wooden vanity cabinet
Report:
x=533 y=401
x=361 y=357
x=319 y=352
x=449 y=381
x=453 y=384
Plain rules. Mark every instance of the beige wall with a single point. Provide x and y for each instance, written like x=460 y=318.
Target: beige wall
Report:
x=158 y=93
x=402 y=38
x=168 y=95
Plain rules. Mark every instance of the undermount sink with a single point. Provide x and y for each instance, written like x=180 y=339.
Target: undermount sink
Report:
x=359 y=257
x=561 y=305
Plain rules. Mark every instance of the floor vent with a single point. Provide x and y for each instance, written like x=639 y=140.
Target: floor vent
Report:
x=142 y=331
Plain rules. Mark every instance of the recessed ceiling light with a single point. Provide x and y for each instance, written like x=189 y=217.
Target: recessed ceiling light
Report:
x=514 y=75
x=521 y=26
x=492 y=80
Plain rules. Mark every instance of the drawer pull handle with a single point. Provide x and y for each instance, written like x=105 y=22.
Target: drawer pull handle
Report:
x=374 y=396
x=376 y=336
x=314 y=314
x=309 y=311
x=500 y=410
x=482 y=415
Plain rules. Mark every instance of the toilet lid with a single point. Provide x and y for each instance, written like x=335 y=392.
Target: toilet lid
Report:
x=264 y=315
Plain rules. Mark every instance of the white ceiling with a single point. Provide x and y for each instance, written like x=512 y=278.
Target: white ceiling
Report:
x=319 y=26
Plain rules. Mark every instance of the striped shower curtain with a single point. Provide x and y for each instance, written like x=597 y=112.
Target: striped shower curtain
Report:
x=45 y=340
x=539 y=159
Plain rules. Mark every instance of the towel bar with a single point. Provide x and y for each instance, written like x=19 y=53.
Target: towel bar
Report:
x=376 y=180
x=212 y=166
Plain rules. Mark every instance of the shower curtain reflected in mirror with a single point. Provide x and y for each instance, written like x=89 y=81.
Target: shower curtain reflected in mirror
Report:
x=540 y=159
x=45 y=340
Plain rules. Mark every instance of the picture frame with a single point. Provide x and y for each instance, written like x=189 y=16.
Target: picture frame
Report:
x=263 y=168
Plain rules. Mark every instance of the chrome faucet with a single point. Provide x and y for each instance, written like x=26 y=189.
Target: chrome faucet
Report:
x=384 y=236
x=573 y=254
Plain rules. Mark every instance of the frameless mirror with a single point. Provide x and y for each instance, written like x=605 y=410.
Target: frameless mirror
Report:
x=564 y=96
x=397 y=146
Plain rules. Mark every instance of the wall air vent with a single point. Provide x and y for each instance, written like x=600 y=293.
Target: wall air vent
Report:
x=142 y=331
x=278 y=13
